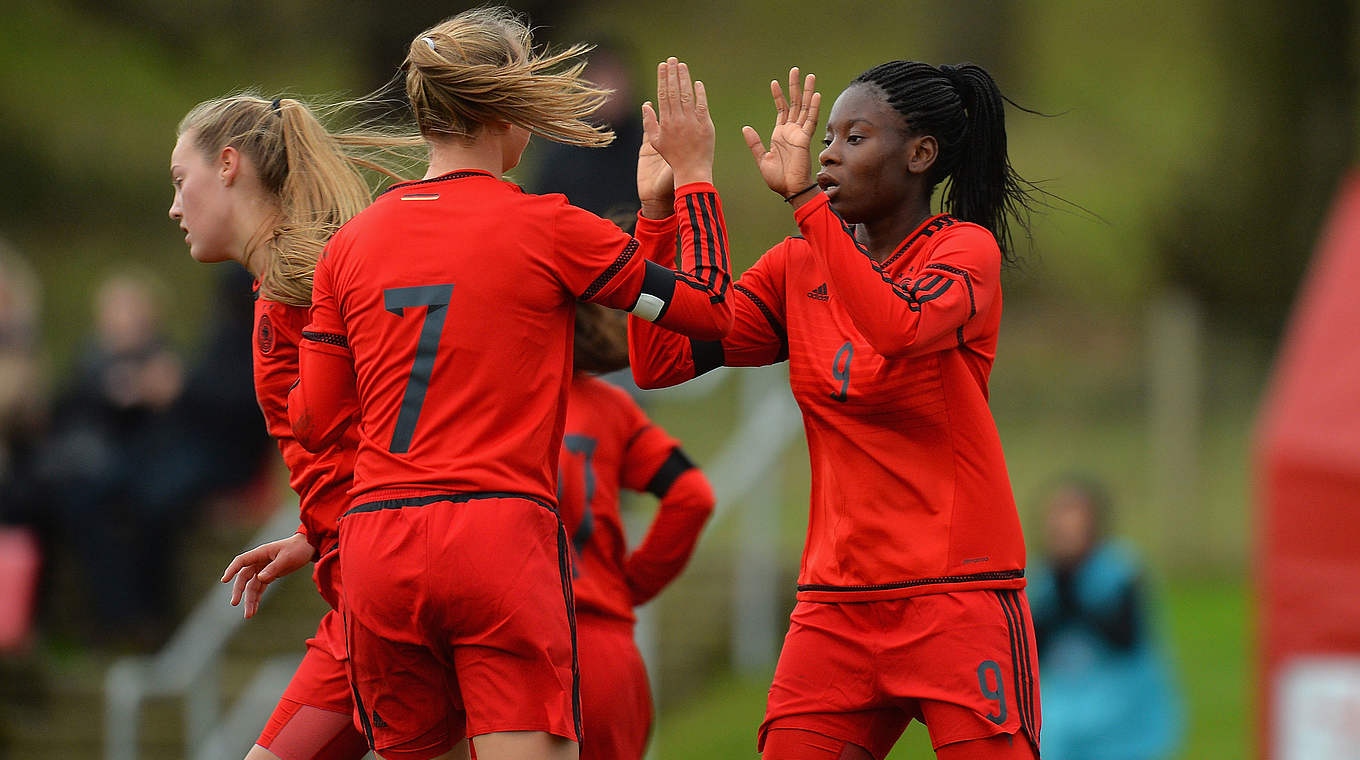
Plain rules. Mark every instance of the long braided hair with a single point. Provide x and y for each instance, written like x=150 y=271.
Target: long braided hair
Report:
x=962 y=108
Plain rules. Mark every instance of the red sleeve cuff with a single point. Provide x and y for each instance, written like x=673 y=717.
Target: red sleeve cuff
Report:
x=656 y=238
x=811 y=207
x=695 y=187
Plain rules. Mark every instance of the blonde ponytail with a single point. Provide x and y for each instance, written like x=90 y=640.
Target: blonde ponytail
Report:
x=480 y=66
x=313 y=173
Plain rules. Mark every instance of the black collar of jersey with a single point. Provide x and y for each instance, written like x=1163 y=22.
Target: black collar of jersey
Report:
x=927 y=228
x=456 y=174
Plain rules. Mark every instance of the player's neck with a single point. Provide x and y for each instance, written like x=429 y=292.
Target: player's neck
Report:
x=457 y=154
x=256 y=222
x=882 y=236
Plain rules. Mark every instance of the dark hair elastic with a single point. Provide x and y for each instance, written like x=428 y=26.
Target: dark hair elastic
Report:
x=275 y=105
x=955 y=77
x=789 y=198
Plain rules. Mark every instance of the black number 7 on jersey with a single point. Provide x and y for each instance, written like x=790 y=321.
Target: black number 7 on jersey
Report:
x=397 y=300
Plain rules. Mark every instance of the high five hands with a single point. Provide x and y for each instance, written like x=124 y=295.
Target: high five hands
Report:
x=677 y=138
x=787 y=166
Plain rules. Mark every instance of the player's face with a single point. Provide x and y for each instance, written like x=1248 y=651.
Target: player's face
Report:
x=201 y=205
x=1070 y=526
x=865 y=170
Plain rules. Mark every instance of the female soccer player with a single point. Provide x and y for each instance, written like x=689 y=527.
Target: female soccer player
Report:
x=610 y=444
x=446 y=309
x=887 y=315
x=264 y=184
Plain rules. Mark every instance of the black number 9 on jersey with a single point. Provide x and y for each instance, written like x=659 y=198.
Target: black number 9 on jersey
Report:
x=841 y=370
x=397 y=300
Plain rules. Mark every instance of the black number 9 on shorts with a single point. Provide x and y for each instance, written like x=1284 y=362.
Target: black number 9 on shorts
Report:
x=998 y=694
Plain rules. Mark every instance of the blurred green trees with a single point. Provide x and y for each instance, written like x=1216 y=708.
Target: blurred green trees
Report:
x=1207 y=135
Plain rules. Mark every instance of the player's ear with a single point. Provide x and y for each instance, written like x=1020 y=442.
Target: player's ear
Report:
x=922 y=151
x=228 y=165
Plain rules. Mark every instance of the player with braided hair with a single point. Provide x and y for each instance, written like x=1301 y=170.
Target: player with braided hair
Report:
x=910 y=595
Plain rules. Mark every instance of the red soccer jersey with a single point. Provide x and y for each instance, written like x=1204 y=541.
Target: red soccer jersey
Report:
x=889 y=363
x=609 y=445
x=451 y=299
x=321 y=480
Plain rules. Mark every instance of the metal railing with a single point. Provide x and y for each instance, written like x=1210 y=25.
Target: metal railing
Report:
x=189 y=666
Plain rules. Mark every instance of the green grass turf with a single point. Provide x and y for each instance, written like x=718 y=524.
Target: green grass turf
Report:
x=1205 y=622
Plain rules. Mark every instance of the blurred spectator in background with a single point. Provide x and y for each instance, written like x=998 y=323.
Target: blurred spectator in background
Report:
x=1105 y=682
x=125 y=380
x=217 y=440
x=138 y=444
x=22 y=407
x=600 y=180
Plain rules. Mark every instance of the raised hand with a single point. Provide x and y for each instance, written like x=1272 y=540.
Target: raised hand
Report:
x=256 y=569
x=679 y=127
x=787 y=166
x=655 y=180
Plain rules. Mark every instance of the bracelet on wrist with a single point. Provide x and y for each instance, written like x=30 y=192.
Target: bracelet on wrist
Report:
x=789 y=198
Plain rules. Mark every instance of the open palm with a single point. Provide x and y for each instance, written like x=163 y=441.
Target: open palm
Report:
x=655 y=180
x=787 y=166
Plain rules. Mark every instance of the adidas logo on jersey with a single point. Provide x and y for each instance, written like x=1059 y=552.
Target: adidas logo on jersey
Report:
x=378 y=722
x=818 y=293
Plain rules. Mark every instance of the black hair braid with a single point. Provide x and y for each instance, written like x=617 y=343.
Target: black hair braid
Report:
x=962 y=108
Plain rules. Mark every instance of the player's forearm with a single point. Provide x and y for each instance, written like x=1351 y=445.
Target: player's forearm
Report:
x=897 y=319
x=670 y=541
x=692 y=300
x=658 y=357
x=321 y=404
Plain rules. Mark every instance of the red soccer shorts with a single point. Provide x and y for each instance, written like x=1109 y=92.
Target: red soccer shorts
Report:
x=962 y=663
x=314 y=717
x=460 y=620
x=616 y=700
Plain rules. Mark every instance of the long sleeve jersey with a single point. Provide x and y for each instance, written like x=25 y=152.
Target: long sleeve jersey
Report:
x=446 y=309
x=610 y=445
x=321 y=480
x=889 y=365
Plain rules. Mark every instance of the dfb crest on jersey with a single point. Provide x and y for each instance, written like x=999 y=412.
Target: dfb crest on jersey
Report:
x=265 y=334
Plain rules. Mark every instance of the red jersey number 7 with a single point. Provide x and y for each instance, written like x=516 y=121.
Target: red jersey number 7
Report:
x=397 y=300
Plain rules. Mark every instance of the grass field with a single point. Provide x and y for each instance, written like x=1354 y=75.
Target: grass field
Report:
x=1206 y=623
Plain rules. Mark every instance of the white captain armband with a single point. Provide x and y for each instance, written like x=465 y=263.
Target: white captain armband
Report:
x=658 y=287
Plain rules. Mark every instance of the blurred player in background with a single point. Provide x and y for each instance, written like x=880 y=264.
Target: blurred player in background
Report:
x=265 y=184
x=446 y=309
x=910 y=596
x=1098 y=646
x=609 y=444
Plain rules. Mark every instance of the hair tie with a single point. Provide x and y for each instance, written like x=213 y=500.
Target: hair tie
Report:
x=955 y=76
x=275 y=106
x=789 y=198
x=429 y=42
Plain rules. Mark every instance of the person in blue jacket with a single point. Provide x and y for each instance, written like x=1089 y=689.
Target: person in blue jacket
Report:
x=1105 y=681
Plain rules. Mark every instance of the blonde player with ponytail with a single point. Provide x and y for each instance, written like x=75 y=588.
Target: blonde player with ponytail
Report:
x=445 y=309
x=265 y=184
